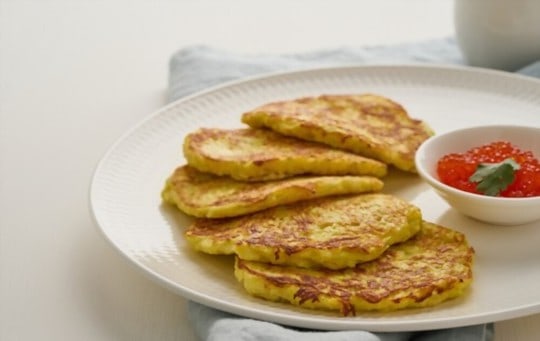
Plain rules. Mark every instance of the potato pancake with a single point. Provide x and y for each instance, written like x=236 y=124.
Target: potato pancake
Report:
x=367 y=124
x=210 y=196
x=431 y=267
x=260 y=154
x=333 y=232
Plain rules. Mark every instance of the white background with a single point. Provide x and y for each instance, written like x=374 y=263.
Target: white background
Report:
x=74 y=75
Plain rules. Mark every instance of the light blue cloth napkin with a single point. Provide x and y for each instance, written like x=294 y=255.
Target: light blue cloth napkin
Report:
x=199 y=67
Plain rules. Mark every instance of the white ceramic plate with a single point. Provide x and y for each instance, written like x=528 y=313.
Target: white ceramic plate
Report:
x=125 y=192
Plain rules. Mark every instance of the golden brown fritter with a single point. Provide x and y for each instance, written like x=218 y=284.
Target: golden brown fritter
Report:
x=260 y=154
x=431 y=267
x=210 y=196
x=370 y=125
x=333 y=232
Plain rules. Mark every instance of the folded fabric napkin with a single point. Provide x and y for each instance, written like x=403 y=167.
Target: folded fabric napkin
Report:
x=199 y=67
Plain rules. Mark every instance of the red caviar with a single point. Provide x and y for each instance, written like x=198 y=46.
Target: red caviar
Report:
x=455 y=169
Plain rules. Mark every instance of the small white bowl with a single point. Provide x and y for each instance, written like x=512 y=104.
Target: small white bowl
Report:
x=494 y=210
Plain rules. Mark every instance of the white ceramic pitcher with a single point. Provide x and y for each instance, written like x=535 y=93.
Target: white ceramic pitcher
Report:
x=500 y=34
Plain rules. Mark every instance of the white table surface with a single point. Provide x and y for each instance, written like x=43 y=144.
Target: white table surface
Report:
x=74 y=75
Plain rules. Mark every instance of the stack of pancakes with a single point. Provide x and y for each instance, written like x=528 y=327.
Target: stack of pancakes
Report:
x=296 y=198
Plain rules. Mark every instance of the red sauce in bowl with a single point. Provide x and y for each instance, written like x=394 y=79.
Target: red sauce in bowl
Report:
x=455 y=169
